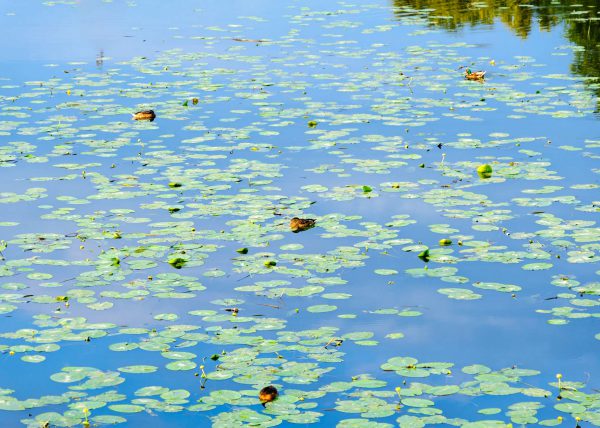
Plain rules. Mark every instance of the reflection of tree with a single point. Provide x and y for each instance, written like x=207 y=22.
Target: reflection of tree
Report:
x=518 y=16
x=514 y=13
x=587 y=35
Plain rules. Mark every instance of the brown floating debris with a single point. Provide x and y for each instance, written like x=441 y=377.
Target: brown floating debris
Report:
x=301 y=224
x=261 y=304
x=145 y=115
x=267 y=394
x=239 y=39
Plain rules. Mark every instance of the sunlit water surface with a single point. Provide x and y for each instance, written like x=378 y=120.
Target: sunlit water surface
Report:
x=357 y=115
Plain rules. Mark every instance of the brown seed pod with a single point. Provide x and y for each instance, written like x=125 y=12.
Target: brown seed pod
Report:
x=301 y=224
x=267 y=394
x=145 y=115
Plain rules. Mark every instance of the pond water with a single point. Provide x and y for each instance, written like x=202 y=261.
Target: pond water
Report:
x=149 y=275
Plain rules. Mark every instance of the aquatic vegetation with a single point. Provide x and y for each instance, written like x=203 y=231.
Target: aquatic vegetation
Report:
x=484 y=171
x=451 y=232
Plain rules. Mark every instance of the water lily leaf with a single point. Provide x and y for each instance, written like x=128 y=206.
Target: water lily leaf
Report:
x=126 y=408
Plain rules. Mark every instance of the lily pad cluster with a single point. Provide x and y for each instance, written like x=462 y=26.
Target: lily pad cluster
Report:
x=155 y=273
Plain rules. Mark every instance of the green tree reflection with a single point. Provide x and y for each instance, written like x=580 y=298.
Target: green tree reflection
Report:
x=581 y=21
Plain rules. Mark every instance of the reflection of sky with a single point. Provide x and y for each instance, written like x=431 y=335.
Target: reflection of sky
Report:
x=497 y=330
x=121 y=29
